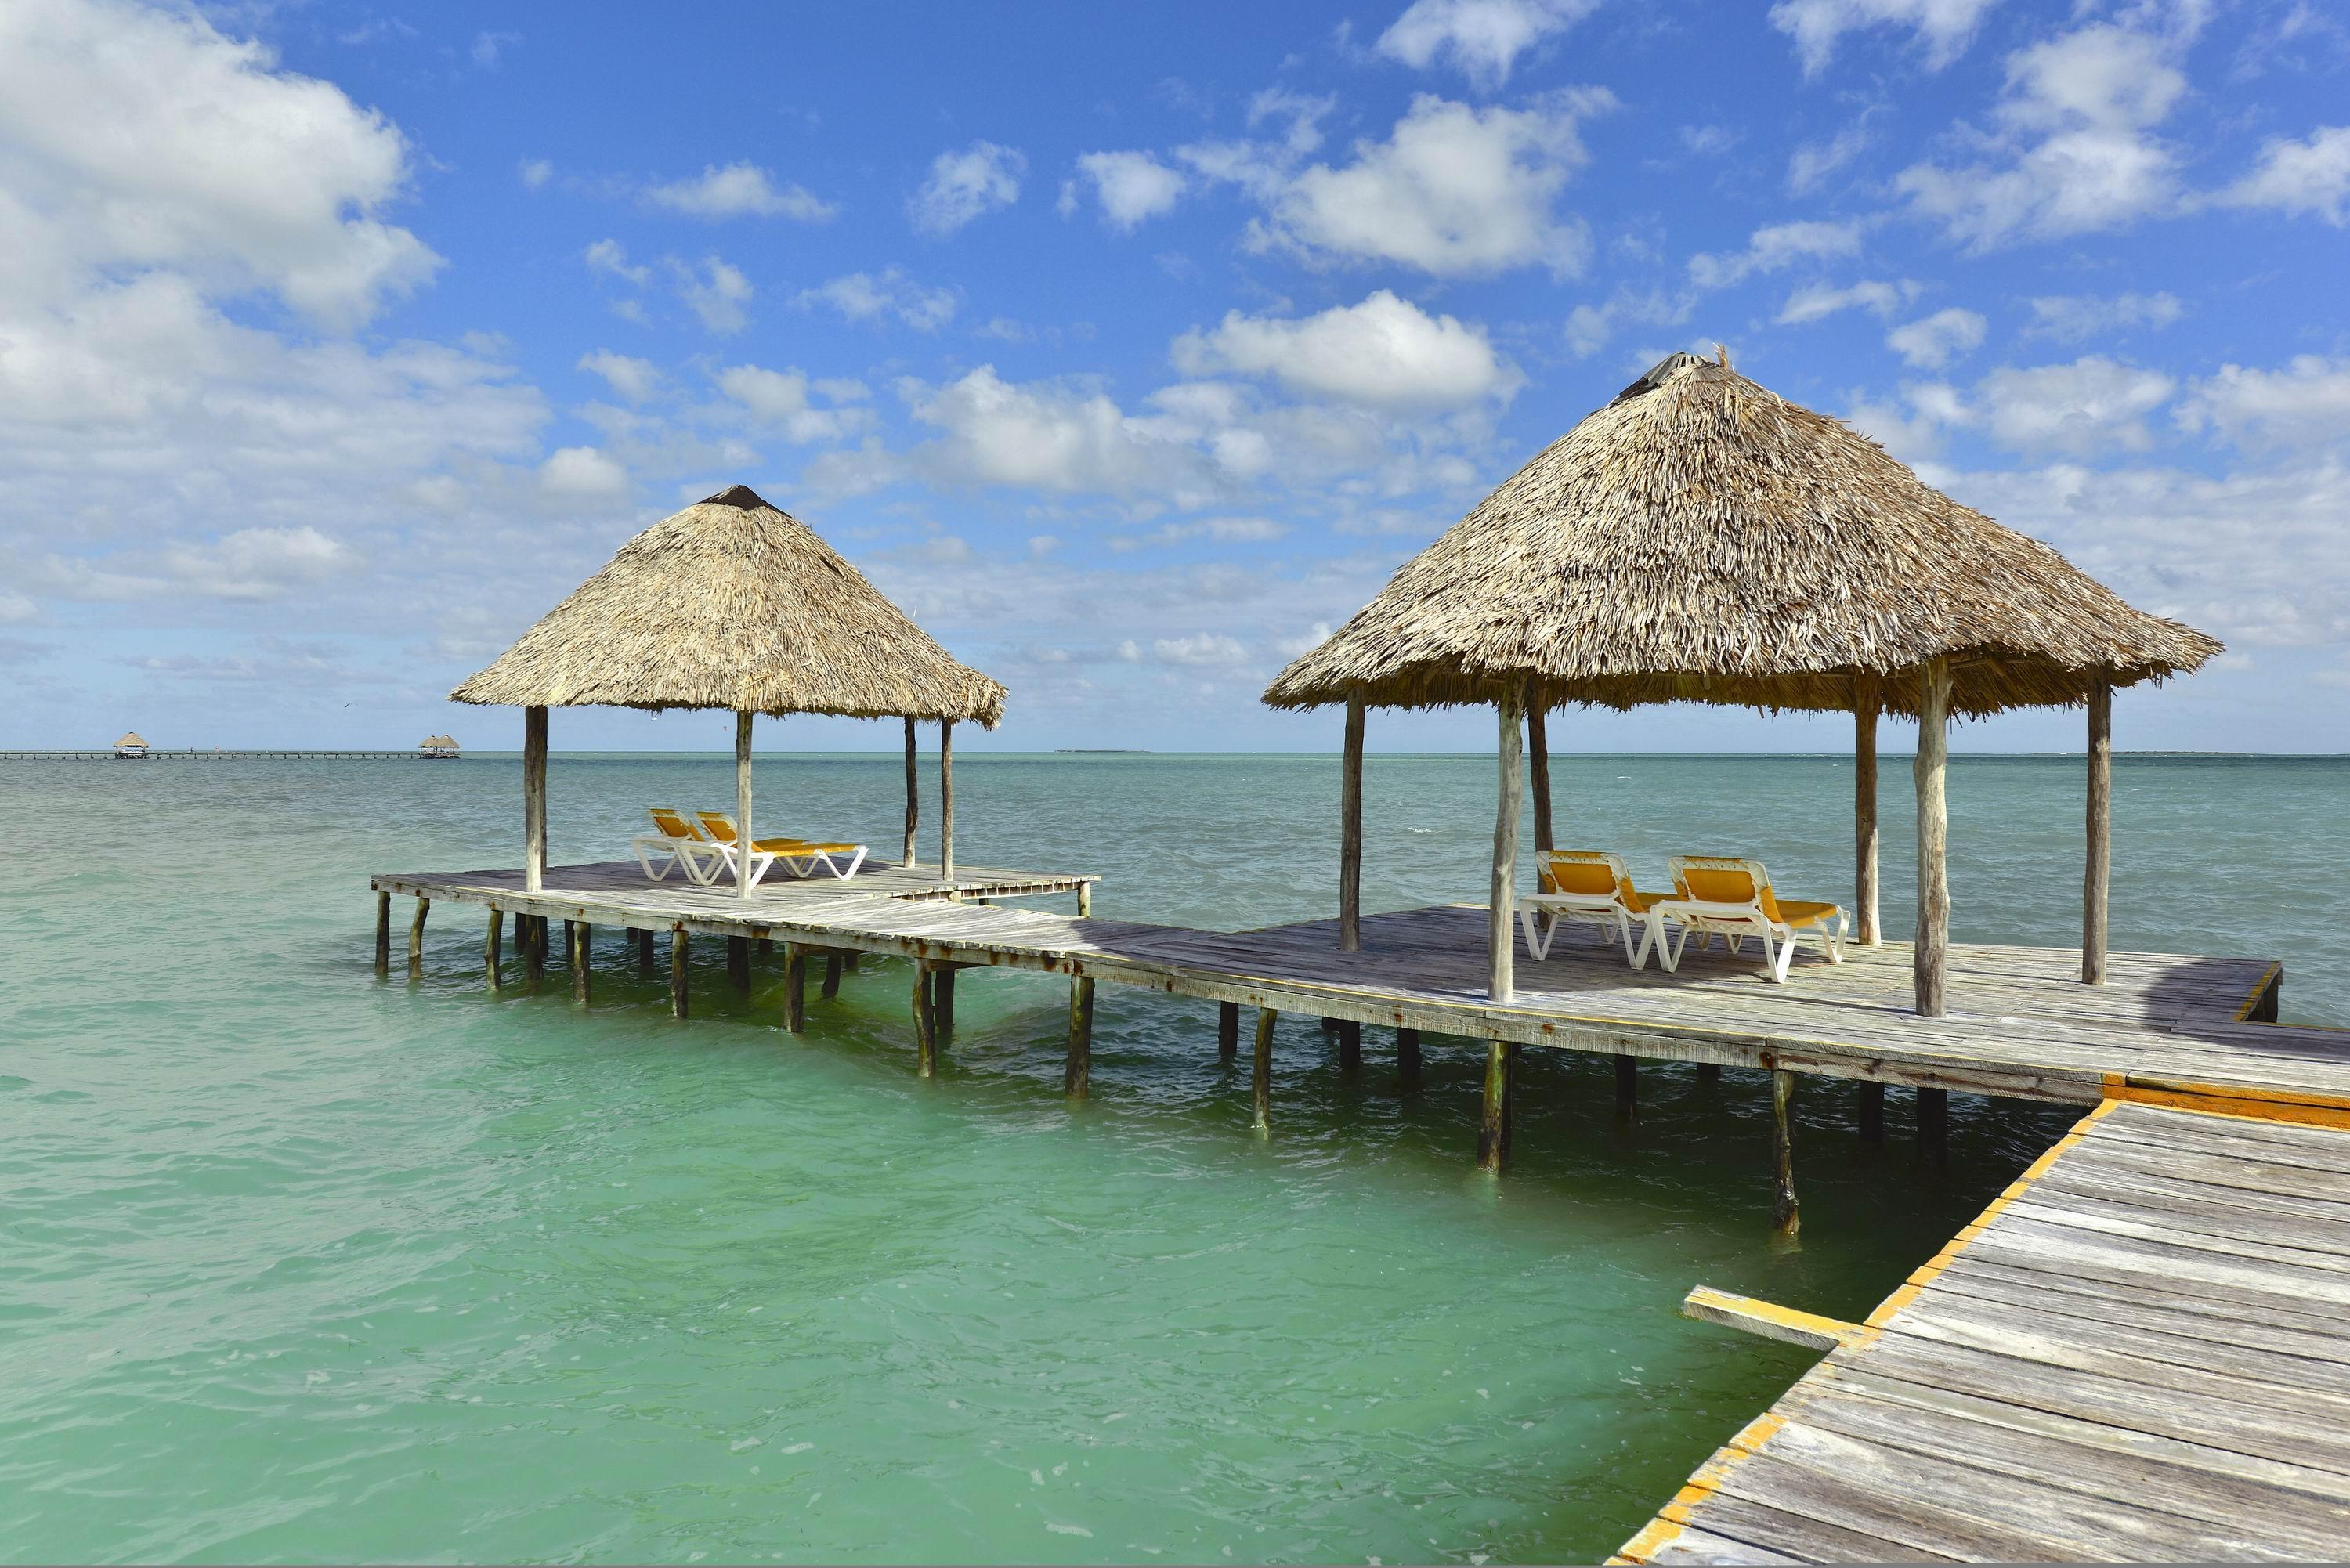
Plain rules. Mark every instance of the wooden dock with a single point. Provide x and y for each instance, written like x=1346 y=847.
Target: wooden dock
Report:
x=2140 y=1351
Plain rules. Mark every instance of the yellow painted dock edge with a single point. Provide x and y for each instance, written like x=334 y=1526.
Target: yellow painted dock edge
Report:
x=2275 y=971
x=1675 y=1515
x=2304 y=1107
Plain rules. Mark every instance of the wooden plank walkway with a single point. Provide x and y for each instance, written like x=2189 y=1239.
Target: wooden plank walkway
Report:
x=2022 y=1024
x=2140 y=1351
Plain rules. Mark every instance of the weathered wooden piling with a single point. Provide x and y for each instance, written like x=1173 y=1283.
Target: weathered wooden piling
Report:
x=1228 y=1030
x=1077 y=1079
x=1785 y=1219
x=831 y=974
x=1085 y=900
x=1494 y=1123
x=492 y=949
x=644 y=940
x=1350 y=832
x=2096 y=873
x=534 y=950
x=1350 y=1045
x=1867 y=700
x=416 y=939
x=677 y=972
x=1872 y=1114
x=1709 y=1074
x=568 y=942
x=925 y=1022
x=1934 y=1126
x=1500 y=939
x=1261 y=1076
x=1627 y=1089
x=1408 y=1058
x=738 y=965
x=1538 y=773
x=942 y=992
x=383 y=935
x=582 y=937
x=1932 y=956
x=796 y=988
x=946 y=799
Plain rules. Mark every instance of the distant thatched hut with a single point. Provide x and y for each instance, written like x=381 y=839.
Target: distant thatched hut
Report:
x=1703 y=540
x=131 y=748
x=437 y=749
x=733 y=604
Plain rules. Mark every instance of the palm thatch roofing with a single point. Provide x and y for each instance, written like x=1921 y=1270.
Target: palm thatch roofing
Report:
x=733 y=604
x=131 y=739
x=436 y=741
x=1700 y=539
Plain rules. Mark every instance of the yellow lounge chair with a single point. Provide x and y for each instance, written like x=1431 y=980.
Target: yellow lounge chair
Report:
x=800 y=856
x=681 y=843
x=1588 y=888
x=1733 y=895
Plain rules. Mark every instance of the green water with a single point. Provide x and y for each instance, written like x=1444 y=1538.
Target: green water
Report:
x=303 y=1265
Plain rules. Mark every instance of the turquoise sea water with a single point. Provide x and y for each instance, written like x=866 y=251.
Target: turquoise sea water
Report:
x=304 y=1265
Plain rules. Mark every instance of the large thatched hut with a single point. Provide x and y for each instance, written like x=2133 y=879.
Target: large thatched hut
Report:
x=1700 y=539
x=732 y=604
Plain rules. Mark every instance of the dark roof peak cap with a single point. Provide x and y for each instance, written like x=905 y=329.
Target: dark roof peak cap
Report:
x=742 y=497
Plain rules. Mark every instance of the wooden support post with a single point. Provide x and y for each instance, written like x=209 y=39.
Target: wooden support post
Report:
x=1934 y=1126
x=1538 y=766
x=1260 y=1077
x=738 y=965
x=567 y=941
x=1785 y=1219
x=534 y=799
x=533 y=949
x=1077 y=1079
x=942 y=989
x=1085 y=900
x=1228 y=1030
x=795 y=987
x=743 y=835
x=926 y=1028
x=913 y=796
x=1501 y=942
x=1627 y=1089
x=1709 y=1074
x=1408 y=1058
x=762 y=946
x=946 y=799
x=1493 y=1126
x=832 y=974
x=1872 y=1114
x=582 y=938
x=2097 y=870
x=1867 y=702
x=383 y=935
x=416 y=939
x=493 y=949
x=1933 y=837
x=677 y=972
x=644 y=940
x=1350 y=1045
x=1350 y=832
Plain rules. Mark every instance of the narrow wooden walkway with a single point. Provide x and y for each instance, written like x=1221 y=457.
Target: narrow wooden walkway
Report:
x=2140 y=1351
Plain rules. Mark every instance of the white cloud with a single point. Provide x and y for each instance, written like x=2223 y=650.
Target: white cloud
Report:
x=2307 y=176
x=739 y=190
x=1132 y=187
x=1385 y=351
x=1774 y=249
x=964 y=185
x=2306 y=405
x=1479 y=38
x=1933 y=341
x=1944 y=26
x=610 y=257
x=140 y=138
x=1205 y=647
x=1589 y=328
x=778 y=400
x=1821 y=301
x=2074 y=318
x=1052 y=437
x=718 y=294
x=1812 y=161
x=535 y=172
x=2074 y=151
x=2089 y=406
x=487 y=47
x=1454 y=191
x=634 y=379
x=1221 y=530
x=582 y=473
x=867 y=296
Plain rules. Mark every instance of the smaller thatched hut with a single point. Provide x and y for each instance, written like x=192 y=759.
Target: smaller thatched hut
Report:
x=437 y=749
x=131 y=748
x=732 y=604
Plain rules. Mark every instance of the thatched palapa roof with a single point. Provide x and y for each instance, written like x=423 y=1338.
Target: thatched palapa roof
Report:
x=733 y=604
x=130 y=740
x=1700 y=539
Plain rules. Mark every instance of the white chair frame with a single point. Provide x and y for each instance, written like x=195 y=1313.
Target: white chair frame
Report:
x=1605 y=911
x=697 y=858
x=797 y=856
x=1704 y=919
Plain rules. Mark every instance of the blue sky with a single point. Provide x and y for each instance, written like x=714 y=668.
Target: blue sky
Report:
x=1129 y=348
